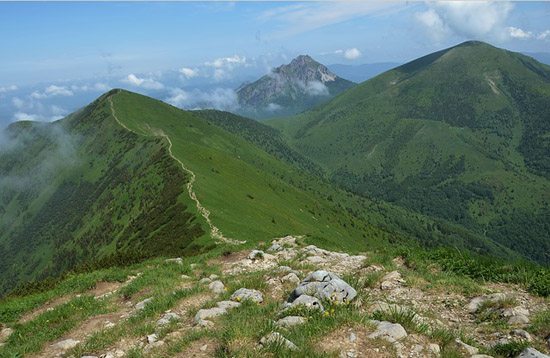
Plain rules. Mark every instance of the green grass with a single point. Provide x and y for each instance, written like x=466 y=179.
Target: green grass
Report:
x=433 y=136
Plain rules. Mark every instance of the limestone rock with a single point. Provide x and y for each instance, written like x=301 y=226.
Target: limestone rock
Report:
x=205 y=280
x=247 y=294
x=204 y=314
x=5 y=334
x=228 y=304
x=216 y=286
x=256 y=254
x=66 y=344
x=475 y=303
x=391 y=280
x=276 y=337
x=291 y=277
x=522 y=334
x=141 y=305
x=518 y=320
x=152 y=338
x=309 y=302
x=325 y=286
x=384 y=329
x=532 y=353
x=167 y=318
x=177 y=260
x=290 y=321
x=275 y=247
x=515 y=311
x=466 y=347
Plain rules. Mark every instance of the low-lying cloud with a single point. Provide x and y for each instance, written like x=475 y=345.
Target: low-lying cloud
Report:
x=218 y=98
x=143 y=82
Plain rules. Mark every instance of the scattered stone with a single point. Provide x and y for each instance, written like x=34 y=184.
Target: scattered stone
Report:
x=522 y=334
x=152 y=346
x=216 y=286
x=277 y=338
x=213 y=276
x=391 y=280
x=66 y=344
x=185 y=277
x=152 y=338
x=89 y=357
x=108 y=325
x=167 y=318
x=475 y=303
x=287 y=240
x=204 y=314
x=309 y=302
x=247 y=294
x=275 y=247
x=374 y=268
x=518 y=320
x=532 y=353
x=325 y=286
x=292 y=278
x=256 y=254
x=466 y=347
x=315 y=260
x=204 y=347
x=177 y=260
x=389 y=330
x=515 y=311
x=205 y=280
x=434 y=348
x=481 y=356
x=193 y=266
x=5 y=334
x=290 y=321
x=352 y=337
x=141 y=305
x=228 y=304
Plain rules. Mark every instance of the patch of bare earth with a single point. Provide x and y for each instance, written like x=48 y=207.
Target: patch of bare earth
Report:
x=198 y=349
x=100 y=288
x=193 y=302
x=338 y=342
x=83 y=331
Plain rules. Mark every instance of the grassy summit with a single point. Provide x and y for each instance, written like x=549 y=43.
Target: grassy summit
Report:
x=460 y=134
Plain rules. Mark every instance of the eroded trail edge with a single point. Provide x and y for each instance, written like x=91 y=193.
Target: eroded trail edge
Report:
x=205 y=213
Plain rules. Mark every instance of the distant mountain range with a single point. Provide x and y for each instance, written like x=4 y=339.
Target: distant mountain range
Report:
x=290 y=89
x=450 y=149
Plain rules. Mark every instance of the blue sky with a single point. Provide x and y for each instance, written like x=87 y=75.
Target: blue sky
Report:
x=63 y=54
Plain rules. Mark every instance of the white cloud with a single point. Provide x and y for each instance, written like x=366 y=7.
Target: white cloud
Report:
x=273 y=107
x=227 y=62
x=316 y=88
x=22 y=116
x=188 y=72
x=466 y=19
x=8 y=89
x=18 y=102
x=147 y=83
x=291 y=20
x=352 y=53
x=544 y=35
x=51 y=91
x=97 y=87
x=219 y=98
x=519 y=33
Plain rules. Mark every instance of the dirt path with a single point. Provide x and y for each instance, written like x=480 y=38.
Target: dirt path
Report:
x=205 y=213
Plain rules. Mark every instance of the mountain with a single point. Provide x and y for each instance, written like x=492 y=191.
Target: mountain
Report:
x=461 y=134
x=290 y=89
x=360 y=73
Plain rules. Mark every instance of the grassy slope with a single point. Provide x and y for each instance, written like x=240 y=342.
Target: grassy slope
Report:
x=253 y=196
x=111 y=189
x=460 y=134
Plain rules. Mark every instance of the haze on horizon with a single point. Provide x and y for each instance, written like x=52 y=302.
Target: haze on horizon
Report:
x=58 y=57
